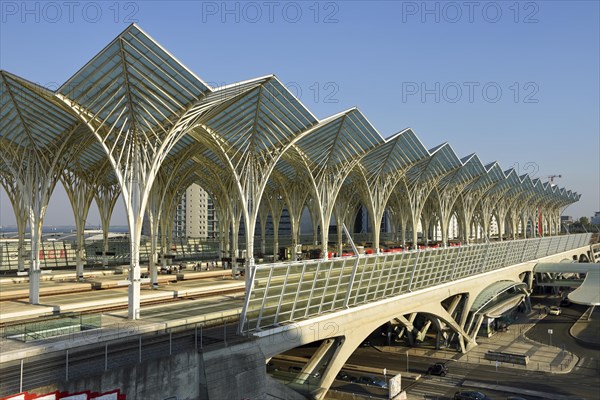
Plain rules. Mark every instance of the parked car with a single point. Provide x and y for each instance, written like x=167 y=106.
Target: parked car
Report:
x=272 y=367
x=438 y=369
x=470 y=395
x=555 y=310
x=344 y=376
x=295 y=369
x=371 y=381
x=565 y=302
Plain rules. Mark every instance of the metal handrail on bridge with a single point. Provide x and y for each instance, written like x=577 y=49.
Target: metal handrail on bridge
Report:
x=286 y=292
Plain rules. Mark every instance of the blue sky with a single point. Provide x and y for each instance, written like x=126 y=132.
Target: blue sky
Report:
x=514 y=82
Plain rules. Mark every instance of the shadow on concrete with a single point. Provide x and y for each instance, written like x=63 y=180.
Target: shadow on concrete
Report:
x=587 y=331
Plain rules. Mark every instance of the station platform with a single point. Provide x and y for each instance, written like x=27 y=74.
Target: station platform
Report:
x=103 y=290
x=13 y=291
x=56 y=275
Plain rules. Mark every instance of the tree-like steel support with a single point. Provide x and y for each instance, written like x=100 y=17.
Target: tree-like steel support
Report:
x=275 y=204
x=345 y=205
x=78 y=186
x=382 y=169
x=34 y=164
x=295 y=193
x=106 y=196
x=21 y=215
x=263 y=216
x=134 y=141
x=447 y=192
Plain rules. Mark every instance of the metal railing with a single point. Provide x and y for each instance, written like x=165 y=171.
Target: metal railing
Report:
x=64 y=324
x=131 y=346
x=286 y=292
x=62 y=253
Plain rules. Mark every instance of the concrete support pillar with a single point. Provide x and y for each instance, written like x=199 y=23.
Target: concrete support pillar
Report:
x=475 y=327
x=410 y=329
x=317 y=359
x=263 y=216
x=134 y=296
x=80 y=192
x=403 y=227
x=423 y=332
x=324 y=239
x=295 y=232
x=343 y=349
x=415 y=234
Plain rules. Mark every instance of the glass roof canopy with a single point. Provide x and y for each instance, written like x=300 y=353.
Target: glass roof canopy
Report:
x=134 y=90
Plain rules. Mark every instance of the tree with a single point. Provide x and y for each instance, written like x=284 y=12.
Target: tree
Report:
x=584 y=221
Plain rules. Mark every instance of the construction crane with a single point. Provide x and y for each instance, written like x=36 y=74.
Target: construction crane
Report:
x=551 y=177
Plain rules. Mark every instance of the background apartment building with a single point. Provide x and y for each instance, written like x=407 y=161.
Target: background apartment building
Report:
x=195 y=216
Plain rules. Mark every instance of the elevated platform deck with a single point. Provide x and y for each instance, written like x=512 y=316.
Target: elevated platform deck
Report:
x=55 y=275
x=58 y=282
x=13 y=291
x=205 y=312
x=15 y=310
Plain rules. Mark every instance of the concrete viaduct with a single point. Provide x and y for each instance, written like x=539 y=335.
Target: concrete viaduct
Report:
x=455 y=308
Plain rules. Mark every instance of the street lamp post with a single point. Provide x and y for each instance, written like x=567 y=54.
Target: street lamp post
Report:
x=550 y=333
x=406 y=360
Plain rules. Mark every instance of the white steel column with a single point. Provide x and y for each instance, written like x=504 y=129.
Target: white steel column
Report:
x=80 y=193
x=36 y=190
x=152 y=259
x=133 y=197
x=235 y=216
x=21 y=214
x=346 y=203
x=294 y=194
x=106 y=196
x=275 y=203
x=263 y=214
x=314 y=217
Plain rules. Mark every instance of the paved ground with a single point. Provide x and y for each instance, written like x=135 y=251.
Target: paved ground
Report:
x=541 y=356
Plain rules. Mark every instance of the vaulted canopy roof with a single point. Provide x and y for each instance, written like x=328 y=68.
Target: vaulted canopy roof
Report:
x=134 y=89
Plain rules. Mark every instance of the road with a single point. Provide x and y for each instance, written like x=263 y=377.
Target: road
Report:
x=582 y=383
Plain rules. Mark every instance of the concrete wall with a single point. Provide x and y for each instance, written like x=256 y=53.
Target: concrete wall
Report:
x=173 y=377
x=239 y=372
x=230 y=373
